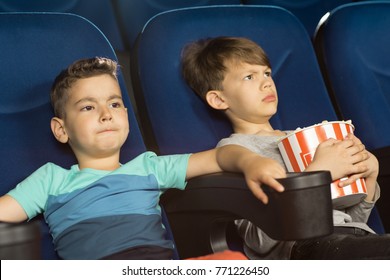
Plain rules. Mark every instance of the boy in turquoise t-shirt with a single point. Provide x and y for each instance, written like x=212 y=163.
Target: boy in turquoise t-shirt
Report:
x=100 y=208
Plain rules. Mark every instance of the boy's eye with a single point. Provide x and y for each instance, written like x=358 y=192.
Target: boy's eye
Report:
x=116 y=105
x=267 y=74
x=249 y=77
x=87 y=108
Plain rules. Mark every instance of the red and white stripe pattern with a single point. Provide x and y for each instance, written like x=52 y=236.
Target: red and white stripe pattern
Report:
x=298 y=148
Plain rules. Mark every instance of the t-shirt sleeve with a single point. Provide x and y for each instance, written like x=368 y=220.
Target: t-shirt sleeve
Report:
x=361 y=212
x=171 y=171
x=32 y=192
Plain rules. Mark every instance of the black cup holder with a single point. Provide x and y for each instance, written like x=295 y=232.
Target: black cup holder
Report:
x=304 y=210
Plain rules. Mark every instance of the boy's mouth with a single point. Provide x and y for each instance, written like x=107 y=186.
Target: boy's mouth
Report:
x=106 y=130
x=269 y=98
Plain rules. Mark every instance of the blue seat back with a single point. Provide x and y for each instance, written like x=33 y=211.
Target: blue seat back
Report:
x=100 y=12
x=134 y=14
x=353 y=48
x=179 y=120
x=35 y=48
x=309 y=12
x=353 y=45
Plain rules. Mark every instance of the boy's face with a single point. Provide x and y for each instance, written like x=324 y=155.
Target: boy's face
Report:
x=96 y=122
x=249 y=92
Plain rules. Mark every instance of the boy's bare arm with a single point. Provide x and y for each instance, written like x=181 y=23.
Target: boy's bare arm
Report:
x=372 y=167
x=234 y=158
x=10 y=210
x=347 y=158
x=341 y=157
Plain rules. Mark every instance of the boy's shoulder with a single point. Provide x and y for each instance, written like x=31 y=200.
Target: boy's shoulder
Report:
x=53 y=168
x=148 y=160
x=168 y=170
x=149 y=155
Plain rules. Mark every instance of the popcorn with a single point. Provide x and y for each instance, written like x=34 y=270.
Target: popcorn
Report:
x=324 y=122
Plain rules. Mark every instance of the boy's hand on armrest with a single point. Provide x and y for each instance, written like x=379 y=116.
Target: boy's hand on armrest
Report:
x=11 y=211
x=258 y=170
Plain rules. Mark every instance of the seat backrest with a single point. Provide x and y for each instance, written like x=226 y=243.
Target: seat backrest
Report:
x=100 y=12
x=134 y=14
x=308 y=11
x=175 y=119
x=35 y=48
x=353 y=46
x=353 y=49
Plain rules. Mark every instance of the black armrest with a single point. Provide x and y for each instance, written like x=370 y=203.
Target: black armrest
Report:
x=200 y=214
x=20 y=241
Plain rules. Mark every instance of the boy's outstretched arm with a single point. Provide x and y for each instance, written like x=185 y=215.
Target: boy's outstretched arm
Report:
x=11 y=211
x=234 y=158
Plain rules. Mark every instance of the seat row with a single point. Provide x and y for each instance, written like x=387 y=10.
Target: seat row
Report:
x=122 y=20
x=36 y=47
x=173 y=120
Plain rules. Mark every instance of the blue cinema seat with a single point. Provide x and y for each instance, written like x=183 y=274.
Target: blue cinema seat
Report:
x=353 y=49
x=34 y=48
x=100 y=12
x=175 y=120
x=309 y=12
x=133 y=14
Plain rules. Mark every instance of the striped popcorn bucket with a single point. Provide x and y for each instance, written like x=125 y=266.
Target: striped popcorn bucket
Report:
x=298 y=148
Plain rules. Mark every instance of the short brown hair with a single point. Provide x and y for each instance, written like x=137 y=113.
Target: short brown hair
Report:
x=83 y=68
x=204 y=61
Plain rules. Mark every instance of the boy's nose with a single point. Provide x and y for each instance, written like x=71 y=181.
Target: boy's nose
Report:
x=106 y=116
x=266 y=85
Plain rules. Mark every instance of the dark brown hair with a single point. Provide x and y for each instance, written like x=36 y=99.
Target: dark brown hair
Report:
x=84 y=68
x=204 y=61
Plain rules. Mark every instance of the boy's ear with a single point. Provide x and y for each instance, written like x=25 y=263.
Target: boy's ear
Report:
x=58 y=129
x=215 y=100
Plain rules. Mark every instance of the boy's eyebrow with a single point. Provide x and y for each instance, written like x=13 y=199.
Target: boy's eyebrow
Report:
x=115 y=96
x=254 y=70
x=93 y=99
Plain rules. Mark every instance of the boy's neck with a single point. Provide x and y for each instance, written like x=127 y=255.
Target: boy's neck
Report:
x=254 y=128
x=107 y=164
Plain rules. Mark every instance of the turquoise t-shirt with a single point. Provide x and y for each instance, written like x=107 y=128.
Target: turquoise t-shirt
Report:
x=94 y=213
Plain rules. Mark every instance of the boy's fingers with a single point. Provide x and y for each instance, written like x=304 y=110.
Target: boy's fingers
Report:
x=259 y=193
x=350 y=180
x=353 y=138
x=273 y=183
x=346 y=182
x=329 y=142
